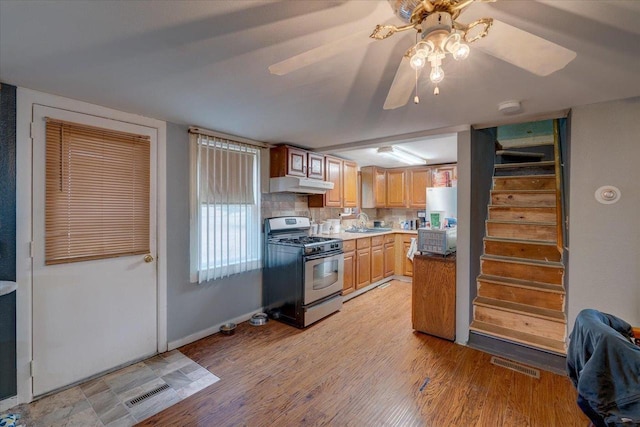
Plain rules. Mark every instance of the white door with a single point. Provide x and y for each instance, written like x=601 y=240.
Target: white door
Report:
x=89 y=316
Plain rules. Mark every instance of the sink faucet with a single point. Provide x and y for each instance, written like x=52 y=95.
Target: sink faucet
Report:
x=363 y=219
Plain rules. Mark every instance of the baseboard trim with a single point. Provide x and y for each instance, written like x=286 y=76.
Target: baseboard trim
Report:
x=529 y=356
x=210 y=331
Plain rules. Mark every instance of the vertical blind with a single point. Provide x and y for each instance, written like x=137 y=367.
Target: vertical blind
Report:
x=225 y=208
x=97 y=193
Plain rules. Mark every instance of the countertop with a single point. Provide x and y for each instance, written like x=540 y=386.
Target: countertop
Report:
x=351 y=236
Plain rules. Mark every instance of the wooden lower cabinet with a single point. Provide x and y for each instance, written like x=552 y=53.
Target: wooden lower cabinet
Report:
x=377 y=259
x=433 y=308
x=349 y=284
x=407 y=265
x=389 y=258
x=363 y=262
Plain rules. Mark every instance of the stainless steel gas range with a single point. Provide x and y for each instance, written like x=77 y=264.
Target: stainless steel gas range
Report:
x=302 y=275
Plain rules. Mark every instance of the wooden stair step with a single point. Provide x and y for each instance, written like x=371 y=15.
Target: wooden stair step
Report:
x=525 y=182
x=532 y=320
x=553 y=346
x=543 y=167
x=530 y=270
x=527 y=142
x=513 y=153
x=523 y=198
x=550 y=297
x=546 y=287
x=539 y=231
x=522 y=249
x=527 y=310
x=547 y=163
x=522 y=213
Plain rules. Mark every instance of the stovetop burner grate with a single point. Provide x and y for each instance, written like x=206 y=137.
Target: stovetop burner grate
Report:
x=302 y=240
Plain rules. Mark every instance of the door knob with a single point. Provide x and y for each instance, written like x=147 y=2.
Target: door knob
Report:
x=148 y=258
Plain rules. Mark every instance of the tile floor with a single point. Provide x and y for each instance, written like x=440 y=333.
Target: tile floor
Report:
x=101 y=402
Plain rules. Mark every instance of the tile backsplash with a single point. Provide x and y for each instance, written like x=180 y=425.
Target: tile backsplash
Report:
x=283 y=204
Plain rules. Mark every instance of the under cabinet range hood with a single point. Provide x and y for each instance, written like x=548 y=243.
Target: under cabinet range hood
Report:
x=294 y=184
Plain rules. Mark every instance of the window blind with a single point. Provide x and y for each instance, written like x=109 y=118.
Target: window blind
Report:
x=97 y=193
x=225 y=208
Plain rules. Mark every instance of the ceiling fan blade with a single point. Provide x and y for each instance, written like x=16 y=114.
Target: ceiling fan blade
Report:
x=402 y=86
x=524 y=50
x=357 y=40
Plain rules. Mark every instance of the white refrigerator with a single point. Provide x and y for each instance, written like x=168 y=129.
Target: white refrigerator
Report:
x=442 y=201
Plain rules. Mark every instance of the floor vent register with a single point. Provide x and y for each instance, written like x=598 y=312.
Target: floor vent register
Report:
x=138 y=400
x=514 y=366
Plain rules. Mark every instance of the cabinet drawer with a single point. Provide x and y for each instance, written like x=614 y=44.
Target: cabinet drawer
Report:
x=377 y=241
x=363 y=243
x=349 y=245
x=390 y=238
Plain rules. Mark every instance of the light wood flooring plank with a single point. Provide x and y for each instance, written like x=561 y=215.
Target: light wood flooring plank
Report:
x=363 y=366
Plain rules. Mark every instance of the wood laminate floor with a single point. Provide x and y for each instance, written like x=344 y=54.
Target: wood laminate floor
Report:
x=363 y=366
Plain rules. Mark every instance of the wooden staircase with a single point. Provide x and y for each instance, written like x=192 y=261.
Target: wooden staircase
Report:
x=520 y=290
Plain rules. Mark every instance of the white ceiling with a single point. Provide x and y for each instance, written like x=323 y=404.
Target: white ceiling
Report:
x=205 y=63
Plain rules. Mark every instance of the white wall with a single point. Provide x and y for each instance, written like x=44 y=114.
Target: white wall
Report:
x=604 y=253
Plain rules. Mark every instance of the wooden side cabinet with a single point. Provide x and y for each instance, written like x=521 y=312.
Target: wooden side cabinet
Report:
x=419 y=179
x=433 y=308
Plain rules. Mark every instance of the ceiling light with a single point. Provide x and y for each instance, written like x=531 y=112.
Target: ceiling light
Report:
x=403 y=156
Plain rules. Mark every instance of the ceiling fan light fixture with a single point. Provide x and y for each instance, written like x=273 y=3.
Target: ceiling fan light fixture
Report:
x=417 y=62
x=461 y=52
x=437 y=74
x=401 y=155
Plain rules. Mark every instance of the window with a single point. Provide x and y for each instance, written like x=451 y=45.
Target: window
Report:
x=225 y=208
x=97 y=193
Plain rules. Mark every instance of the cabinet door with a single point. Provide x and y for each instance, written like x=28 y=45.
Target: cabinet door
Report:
x=363 y=267
x=333 y=170
x=349 y=184
x=349 y=273
x=445 y=176
x=296 y=162
x=380 y=188
x=433 y=299
x=389 y=259
x=396 y=188
x=377 y=263
x=407 y=265
x=316 y=166
x=419 y=180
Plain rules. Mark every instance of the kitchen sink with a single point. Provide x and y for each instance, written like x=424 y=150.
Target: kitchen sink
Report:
x=368 y=230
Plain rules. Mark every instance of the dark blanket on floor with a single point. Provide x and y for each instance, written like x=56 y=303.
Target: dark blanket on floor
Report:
x=605 y=367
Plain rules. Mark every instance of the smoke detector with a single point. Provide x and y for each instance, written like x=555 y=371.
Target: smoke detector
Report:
x=510 y=107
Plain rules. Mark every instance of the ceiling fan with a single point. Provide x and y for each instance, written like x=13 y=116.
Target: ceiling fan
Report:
x=439 y=33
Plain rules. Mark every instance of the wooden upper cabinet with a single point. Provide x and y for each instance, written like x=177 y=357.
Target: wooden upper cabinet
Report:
x=316 y=166
x=419 y=179
x=349 y=184
x=444 y=176
x=380 y=187
x=373 y=187
x=293 y=161
x=333 y=171
x=396 y=188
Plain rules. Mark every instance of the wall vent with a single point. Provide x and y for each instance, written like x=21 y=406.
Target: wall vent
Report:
x=514 y=366
x=138 y=400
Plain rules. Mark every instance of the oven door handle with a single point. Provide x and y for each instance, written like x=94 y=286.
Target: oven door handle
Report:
x=322 y=255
